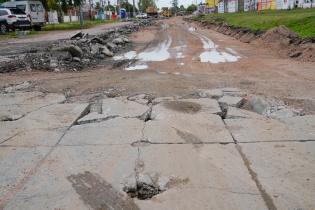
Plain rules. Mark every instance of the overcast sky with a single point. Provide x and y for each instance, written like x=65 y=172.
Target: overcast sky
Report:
x=166 y=3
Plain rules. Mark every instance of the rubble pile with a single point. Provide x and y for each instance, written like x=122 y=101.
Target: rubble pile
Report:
x=81 y=50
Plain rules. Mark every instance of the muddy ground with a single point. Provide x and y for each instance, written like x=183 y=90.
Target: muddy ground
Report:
x=258 y=71
x=89 y=140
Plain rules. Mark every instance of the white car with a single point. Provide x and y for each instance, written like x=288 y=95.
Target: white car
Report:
x=34 y=9
x=13 y=18
x=142 y=15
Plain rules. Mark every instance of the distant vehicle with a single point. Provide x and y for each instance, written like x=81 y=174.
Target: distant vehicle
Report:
x=142 y=15
x=13 y=19
x=166 y=12
x=34 y=10
x=152 y=12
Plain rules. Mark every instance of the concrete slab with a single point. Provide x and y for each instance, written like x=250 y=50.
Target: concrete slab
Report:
x=50 y=117
x=304 y=123
x=255 y=130
x=93 y=117
x=191 y=129
x=188 y=107
x=21 y=103
x=286 y=172
x=15 y=163
x=233 y=92
x=113 y=131
x=236 y=113
x=123 y=108
x=79 y=177
x=231 y=100
x=212 y=93
x=215 y=178
x=35 y=137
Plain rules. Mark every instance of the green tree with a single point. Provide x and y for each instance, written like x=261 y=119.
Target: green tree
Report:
x=182 y=8
x=109 y=8
x=127 y=6
x=97 y=6
x=191 y=8
x=144 y=4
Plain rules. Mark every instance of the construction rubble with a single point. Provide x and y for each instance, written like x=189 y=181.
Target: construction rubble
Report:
x=80 y=51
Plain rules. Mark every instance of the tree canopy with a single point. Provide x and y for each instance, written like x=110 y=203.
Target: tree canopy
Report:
x=144 y=4
x=191 y=8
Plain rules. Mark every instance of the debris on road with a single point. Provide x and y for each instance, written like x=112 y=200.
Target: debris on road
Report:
x=80 y=51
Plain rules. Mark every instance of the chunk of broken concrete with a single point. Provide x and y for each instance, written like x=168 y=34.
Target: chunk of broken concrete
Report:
x=107 y=52
x=232 y=101
x=111 y=46
x=283 y=113
x=23 y=86
x=123 y=108
x=118 y=41
x=258 y=104
x=212 y=93
x=233 y=92
x=74 y=50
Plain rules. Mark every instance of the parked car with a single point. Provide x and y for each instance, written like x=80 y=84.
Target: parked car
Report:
x=34 y=10
x=142 y=15
x=13 y=18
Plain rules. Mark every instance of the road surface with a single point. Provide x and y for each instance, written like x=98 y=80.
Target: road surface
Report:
x=164 y=130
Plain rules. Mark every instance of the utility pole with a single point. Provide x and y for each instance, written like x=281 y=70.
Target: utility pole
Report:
x=133 y=9
x=81 y=16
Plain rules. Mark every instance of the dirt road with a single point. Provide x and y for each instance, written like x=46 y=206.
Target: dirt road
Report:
x=251 y=68
x=161 y=127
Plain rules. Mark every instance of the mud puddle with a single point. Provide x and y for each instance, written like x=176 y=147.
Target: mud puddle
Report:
x=156 y=54
x=183 y=106
x=211 y=52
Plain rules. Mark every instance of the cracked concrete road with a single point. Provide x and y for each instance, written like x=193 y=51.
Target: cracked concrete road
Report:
x=48 y=160
x=162 y=137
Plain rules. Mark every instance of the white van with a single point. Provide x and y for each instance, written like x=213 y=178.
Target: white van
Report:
x=34 y=9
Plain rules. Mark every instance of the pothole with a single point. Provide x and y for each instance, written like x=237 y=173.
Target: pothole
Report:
x=142 y=191
x=183 y=106
x=144 y=186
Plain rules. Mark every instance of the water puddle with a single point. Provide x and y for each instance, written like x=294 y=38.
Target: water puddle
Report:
x=137 y=67
x=128 y=55
x=179 y=55
x=231 y=50
x=158 y=53
x=212 y=54
x=191 y=29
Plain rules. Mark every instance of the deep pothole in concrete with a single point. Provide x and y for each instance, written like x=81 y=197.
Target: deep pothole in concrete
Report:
x=144 y=186
x=142 y=191
x=183 y=106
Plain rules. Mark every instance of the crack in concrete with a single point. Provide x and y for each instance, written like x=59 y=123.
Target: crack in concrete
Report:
x=266 y=197
x=35 y=110
x=20 y=132
x=17 y=187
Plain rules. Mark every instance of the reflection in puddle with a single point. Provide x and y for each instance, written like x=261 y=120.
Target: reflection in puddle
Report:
x=128 y=55
x=180 y=55
x=231 y=50
x=212 y=54
x=158 y=53
x=136 y=67
x=191 y=29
